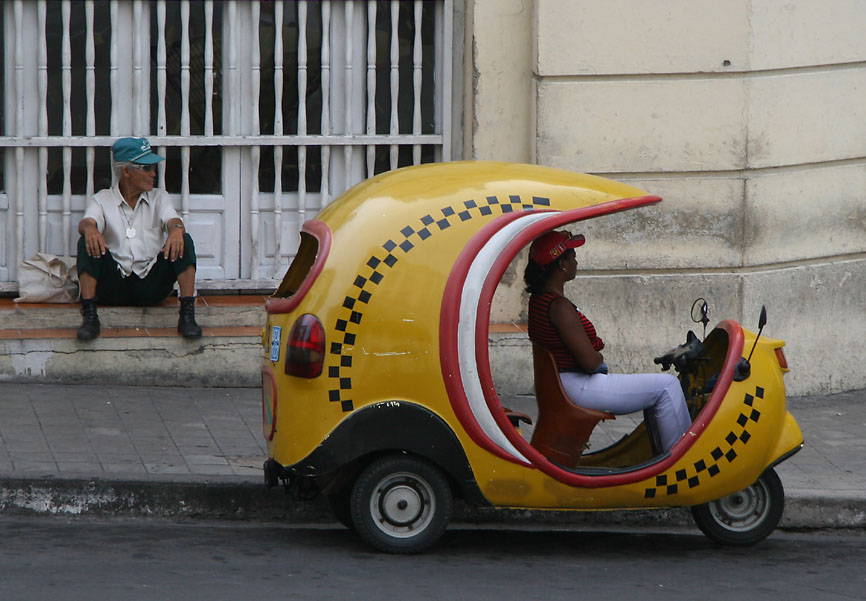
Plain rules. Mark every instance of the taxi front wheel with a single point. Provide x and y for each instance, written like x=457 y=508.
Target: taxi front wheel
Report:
x=745 y=517
x=401 y=504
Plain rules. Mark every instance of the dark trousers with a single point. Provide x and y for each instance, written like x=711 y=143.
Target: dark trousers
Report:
x=114 y=289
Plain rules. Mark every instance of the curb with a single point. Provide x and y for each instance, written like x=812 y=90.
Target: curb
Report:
x=163 y=499
x=217 y=500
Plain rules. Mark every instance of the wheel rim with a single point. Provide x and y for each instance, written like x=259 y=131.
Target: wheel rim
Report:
x=402 y=505
x=743 y=510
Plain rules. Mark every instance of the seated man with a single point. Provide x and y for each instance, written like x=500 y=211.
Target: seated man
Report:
x=133 y=246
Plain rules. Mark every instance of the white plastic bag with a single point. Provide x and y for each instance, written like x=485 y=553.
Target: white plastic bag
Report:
x=45 y=278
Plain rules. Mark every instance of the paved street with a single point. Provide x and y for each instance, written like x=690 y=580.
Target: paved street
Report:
x=168 y=451
x=82 y=560
x=130 y=432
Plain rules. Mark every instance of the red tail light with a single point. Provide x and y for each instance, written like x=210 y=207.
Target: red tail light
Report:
x=305 y=350
x=780 y=355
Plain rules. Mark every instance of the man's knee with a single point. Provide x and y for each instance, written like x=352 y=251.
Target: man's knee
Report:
x=188 y=260
x=189 y=248
x=82 y=248
x=84 y=263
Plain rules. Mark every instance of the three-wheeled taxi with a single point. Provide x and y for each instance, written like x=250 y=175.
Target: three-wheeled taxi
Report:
x=377 y=388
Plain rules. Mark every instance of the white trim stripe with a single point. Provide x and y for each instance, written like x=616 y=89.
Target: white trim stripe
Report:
x=467 y=325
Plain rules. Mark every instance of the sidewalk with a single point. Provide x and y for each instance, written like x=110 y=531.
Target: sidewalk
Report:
x=173 y=452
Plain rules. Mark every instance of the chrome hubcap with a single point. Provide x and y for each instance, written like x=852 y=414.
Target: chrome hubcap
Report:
x=742 y=510
x=402 y=505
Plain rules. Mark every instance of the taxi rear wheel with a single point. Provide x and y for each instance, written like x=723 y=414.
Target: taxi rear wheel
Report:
x=401 y=504
x=745 y=517
x=339 y=502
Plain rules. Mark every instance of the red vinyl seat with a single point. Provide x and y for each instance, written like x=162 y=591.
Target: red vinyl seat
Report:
x=563 y=428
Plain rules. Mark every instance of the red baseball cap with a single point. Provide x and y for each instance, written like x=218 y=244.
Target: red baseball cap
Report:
x=550 y=246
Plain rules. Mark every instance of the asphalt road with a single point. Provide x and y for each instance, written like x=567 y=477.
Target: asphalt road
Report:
x=53 y=558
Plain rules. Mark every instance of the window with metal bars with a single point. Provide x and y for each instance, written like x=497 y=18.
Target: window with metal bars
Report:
x=312 y=97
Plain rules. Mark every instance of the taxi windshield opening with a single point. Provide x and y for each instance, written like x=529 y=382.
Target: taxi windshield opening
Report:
x=300 y=267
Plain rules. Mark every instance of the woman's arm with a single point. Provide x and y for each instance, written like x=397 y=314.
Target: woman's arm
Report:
x=570 y=330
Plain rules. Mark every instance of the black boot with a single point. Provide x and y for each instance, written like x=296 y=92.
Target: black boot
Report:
x=186 y=325
x=90 y=326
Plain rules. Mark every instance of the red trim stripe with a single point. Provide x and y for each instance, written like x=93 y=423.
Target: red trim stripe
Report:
x=735 y=349
x=268 y=380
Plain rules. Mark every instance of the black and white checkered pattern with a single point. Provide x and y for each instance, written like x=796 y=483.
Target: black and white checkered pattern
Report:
x=718 y=459
x=362 y=290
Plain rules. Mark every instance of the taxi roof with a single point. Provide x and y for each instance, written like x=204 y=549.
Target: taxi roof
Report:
x=474 y=184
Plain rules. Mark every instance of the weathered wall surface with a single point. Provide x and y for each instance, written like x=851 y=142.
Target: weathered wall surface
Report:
x=498 y=80
x=748 y=117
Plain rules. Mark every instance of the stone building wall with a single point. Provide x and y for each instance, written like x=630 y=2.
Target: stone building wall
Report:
x=748 y=117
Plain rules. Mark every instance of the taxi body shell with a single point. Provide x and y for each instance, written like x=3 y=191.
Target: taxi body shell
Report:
x=400 y=272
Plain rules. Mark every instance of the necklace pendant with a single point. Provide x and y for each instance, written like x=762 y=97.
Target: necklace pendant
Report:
x=130 y=232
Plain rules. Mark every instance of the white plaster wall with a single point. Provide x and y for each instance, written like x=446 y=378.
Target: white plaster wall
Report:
x=699 y=223
x=804 y=214
x=582 y=37
x=578 y=37
x=498 y=83
x=748 y=117
x=647 y=126
x=817 y=308
x=807 y=118
x=805 y=33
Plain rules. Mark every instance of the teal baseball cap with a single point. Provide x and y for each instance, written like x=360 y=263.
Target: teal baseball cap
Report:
x=134 y=150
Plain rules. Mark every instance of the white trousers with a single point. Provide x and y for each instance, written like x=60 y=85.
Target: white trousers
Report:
x=660 y=395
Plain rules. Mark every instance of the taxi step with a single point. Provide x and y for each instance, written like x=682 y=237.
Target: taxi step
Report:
x=141 y=346
x=137 y=345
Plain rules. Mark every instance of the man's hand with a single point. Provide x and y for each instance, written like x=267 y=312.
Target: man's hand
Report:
x=173 y=249
x=93 y=240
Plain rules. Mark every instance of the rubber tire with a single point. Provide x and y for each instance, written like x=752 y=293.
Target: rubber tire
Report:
x=745 y=517
x=401 y=483
x=340 y=504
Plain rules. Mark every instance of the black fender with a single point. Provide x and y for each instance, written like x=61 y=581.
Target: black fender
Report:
x=393 y=426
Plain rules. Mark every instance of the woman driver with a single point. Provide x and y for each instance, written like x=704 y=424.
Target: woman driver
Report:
x=556 y=324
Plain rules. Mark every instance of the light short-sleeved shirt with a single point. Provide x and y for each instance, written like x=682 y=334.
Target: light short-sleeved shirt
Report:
x=114 y=217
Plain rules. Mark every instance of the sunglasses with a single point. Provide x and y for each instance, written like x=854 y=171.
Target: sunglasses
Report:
x=145 y=168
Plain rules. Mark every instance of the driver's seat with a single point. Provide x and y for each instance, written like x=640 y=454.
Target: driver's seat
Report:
x=563 y=428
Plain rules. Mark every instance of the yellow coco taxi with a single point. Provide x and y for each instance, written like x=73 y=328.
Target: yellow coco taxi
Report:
x=377 y=388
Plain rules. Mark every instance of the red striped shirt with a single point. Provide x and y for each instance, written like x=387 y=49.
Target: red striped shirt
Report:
x=543 y=332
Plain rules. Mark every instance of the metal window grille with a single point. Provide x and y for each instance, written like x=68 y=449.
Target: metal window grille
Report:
x=266 y=111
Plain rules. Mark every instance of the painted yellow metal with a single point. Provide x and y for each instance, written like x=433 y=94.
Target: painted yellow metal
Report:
x=379 y=295
x=397 y=342
x=739 y=442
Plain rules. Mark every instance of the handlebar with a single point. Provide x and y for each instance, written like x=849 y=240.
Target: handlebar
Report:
x=682 y=356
